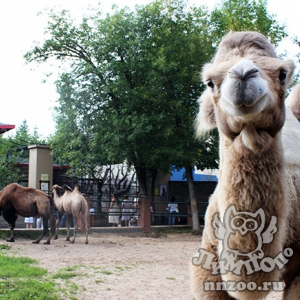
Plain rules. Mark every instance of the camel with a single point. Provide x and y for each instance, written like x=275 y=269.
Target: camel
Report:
x=26 y=202
x=251 y=241
x=71 y=203
x=293 y=101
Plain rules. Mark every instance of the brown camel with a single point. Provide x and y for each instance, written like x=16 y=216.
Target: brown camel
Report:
x=251 y=241
x=26 y=202
x=71 y=203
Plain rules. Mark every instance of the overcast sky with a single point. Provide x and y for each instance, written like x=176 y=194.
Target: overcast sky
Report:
x=22 y=93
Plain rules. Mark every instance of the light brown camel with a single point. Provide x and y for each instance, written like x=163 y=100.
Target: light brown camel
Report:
x=293 y=101
x=71 y=203
x=27 y=202
x=251 y=240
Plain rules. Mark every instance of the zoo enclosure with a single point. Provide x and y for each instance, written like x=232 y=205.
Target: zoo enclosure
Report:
x=100 y=194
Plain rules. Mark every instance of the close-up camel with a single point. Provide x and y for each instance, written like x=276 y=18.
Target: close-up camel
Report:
x=71 y=203
x=27 y=202
x=251 y=239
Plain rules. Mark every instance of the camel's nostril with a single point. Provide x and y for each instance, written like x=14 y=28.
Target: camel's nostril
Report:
x=244 y=70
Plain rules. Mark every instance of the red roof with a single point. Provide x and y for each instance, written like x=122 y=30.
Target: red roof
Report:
x=5 y=127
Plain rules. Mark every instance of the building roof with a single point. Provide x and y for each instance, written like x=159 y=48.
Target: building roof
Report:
x=5 y=127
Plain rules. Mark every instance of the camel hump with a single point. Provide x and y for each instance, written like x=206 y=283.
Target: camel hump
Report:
x=67 y=188
x=293 y=101
x=77 y=188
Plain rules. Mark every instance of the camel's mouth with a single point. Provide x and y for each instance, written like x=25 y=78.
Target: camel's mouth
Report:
x=240 y=109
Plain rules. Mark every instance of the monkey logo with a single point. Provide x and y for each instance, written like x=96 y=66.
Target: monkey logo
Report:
x=243 y=234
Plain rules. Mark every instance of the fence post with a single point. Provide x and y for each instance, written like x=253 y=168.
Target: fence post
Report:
x=144 y=219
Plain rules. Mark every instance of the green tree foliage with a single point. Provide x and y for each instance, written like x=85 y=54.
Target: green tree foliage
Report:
x=131 y=94
x=8 y=160
x=242 y=15
x=14 y=150
x=131 y=88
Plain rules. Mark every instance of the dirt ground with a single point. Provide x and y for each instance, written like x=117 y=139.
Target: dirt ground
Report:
x=112 y=266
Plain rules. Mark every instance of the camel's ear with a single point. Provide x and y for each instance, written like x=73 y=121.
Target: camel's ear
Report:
x=289 y=67
x=205 y=120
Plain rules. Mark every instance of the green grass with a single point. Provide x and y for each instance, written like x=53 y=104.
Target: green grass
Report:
x=20 y=289
x=26 y=234
x=4 y=247
x=66 y=273
x=20 y=279
x=106 y=272
x=19 y=267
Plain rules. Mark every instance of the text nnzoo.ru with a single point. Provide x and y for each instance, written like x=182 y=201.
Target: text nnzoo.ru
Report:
x=233 y=286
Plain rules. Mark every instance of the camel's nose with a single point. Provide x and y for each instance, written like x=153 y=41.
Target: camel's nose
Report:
x=243 y=77
x=243 y=70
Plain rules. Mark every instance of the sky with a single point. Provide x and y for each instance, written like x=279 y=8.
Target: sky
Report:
x=23 y=93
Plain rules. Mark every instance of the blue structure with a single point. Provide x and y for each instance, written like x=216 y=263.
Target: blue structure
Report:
x=178 y=176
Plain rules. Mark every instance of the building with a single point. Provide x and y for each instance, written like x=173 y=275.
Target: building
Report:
x=5 y=127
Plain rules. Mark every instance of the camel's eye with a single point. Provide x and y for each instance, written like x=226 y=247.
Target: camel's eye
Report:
x=282 y=76
x=210 y=84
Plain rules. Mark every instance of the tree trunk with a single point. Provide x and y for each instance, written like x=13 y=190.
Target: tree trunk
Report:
x=146 y=180
x=193 y=199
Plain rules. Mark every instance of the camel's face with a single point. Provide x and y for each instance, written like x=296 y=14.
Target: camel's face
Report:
x=56 y=188
x=243 y=91
x=246 y=85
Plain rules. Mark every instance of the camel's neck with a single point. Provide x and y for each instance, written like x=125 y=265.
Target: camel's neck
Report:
x=56 y=197
x=252 y=180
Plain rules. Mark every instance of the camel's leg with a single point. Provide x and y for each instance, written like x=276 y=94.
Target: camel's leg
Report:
x=11 y=230
x=203 y=283
x=293 y=291
x=291 y=276
x=60 y=214
x=52 y=228
x=10 y=216
x=86 y=228
x=202 y=279
x=57 y=228
x=68 y=228
x=44 y=232
x=75 y=217
x=52 y=224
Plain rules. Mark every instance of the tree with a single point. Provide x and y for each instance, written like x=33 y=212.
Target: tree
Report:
x=8 y=159
x=242 y=15
x=13 y=150
x=129 y=95
x=133 y=83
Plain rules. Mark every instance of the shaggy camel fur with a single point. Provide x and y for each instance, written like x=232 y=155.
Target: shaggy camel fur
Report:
x=251 y=241
x=27 y=202
x=71 y=203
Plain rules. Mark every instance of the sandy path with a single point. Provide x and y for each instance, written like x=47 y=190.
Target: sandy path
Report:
x=121 y=267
